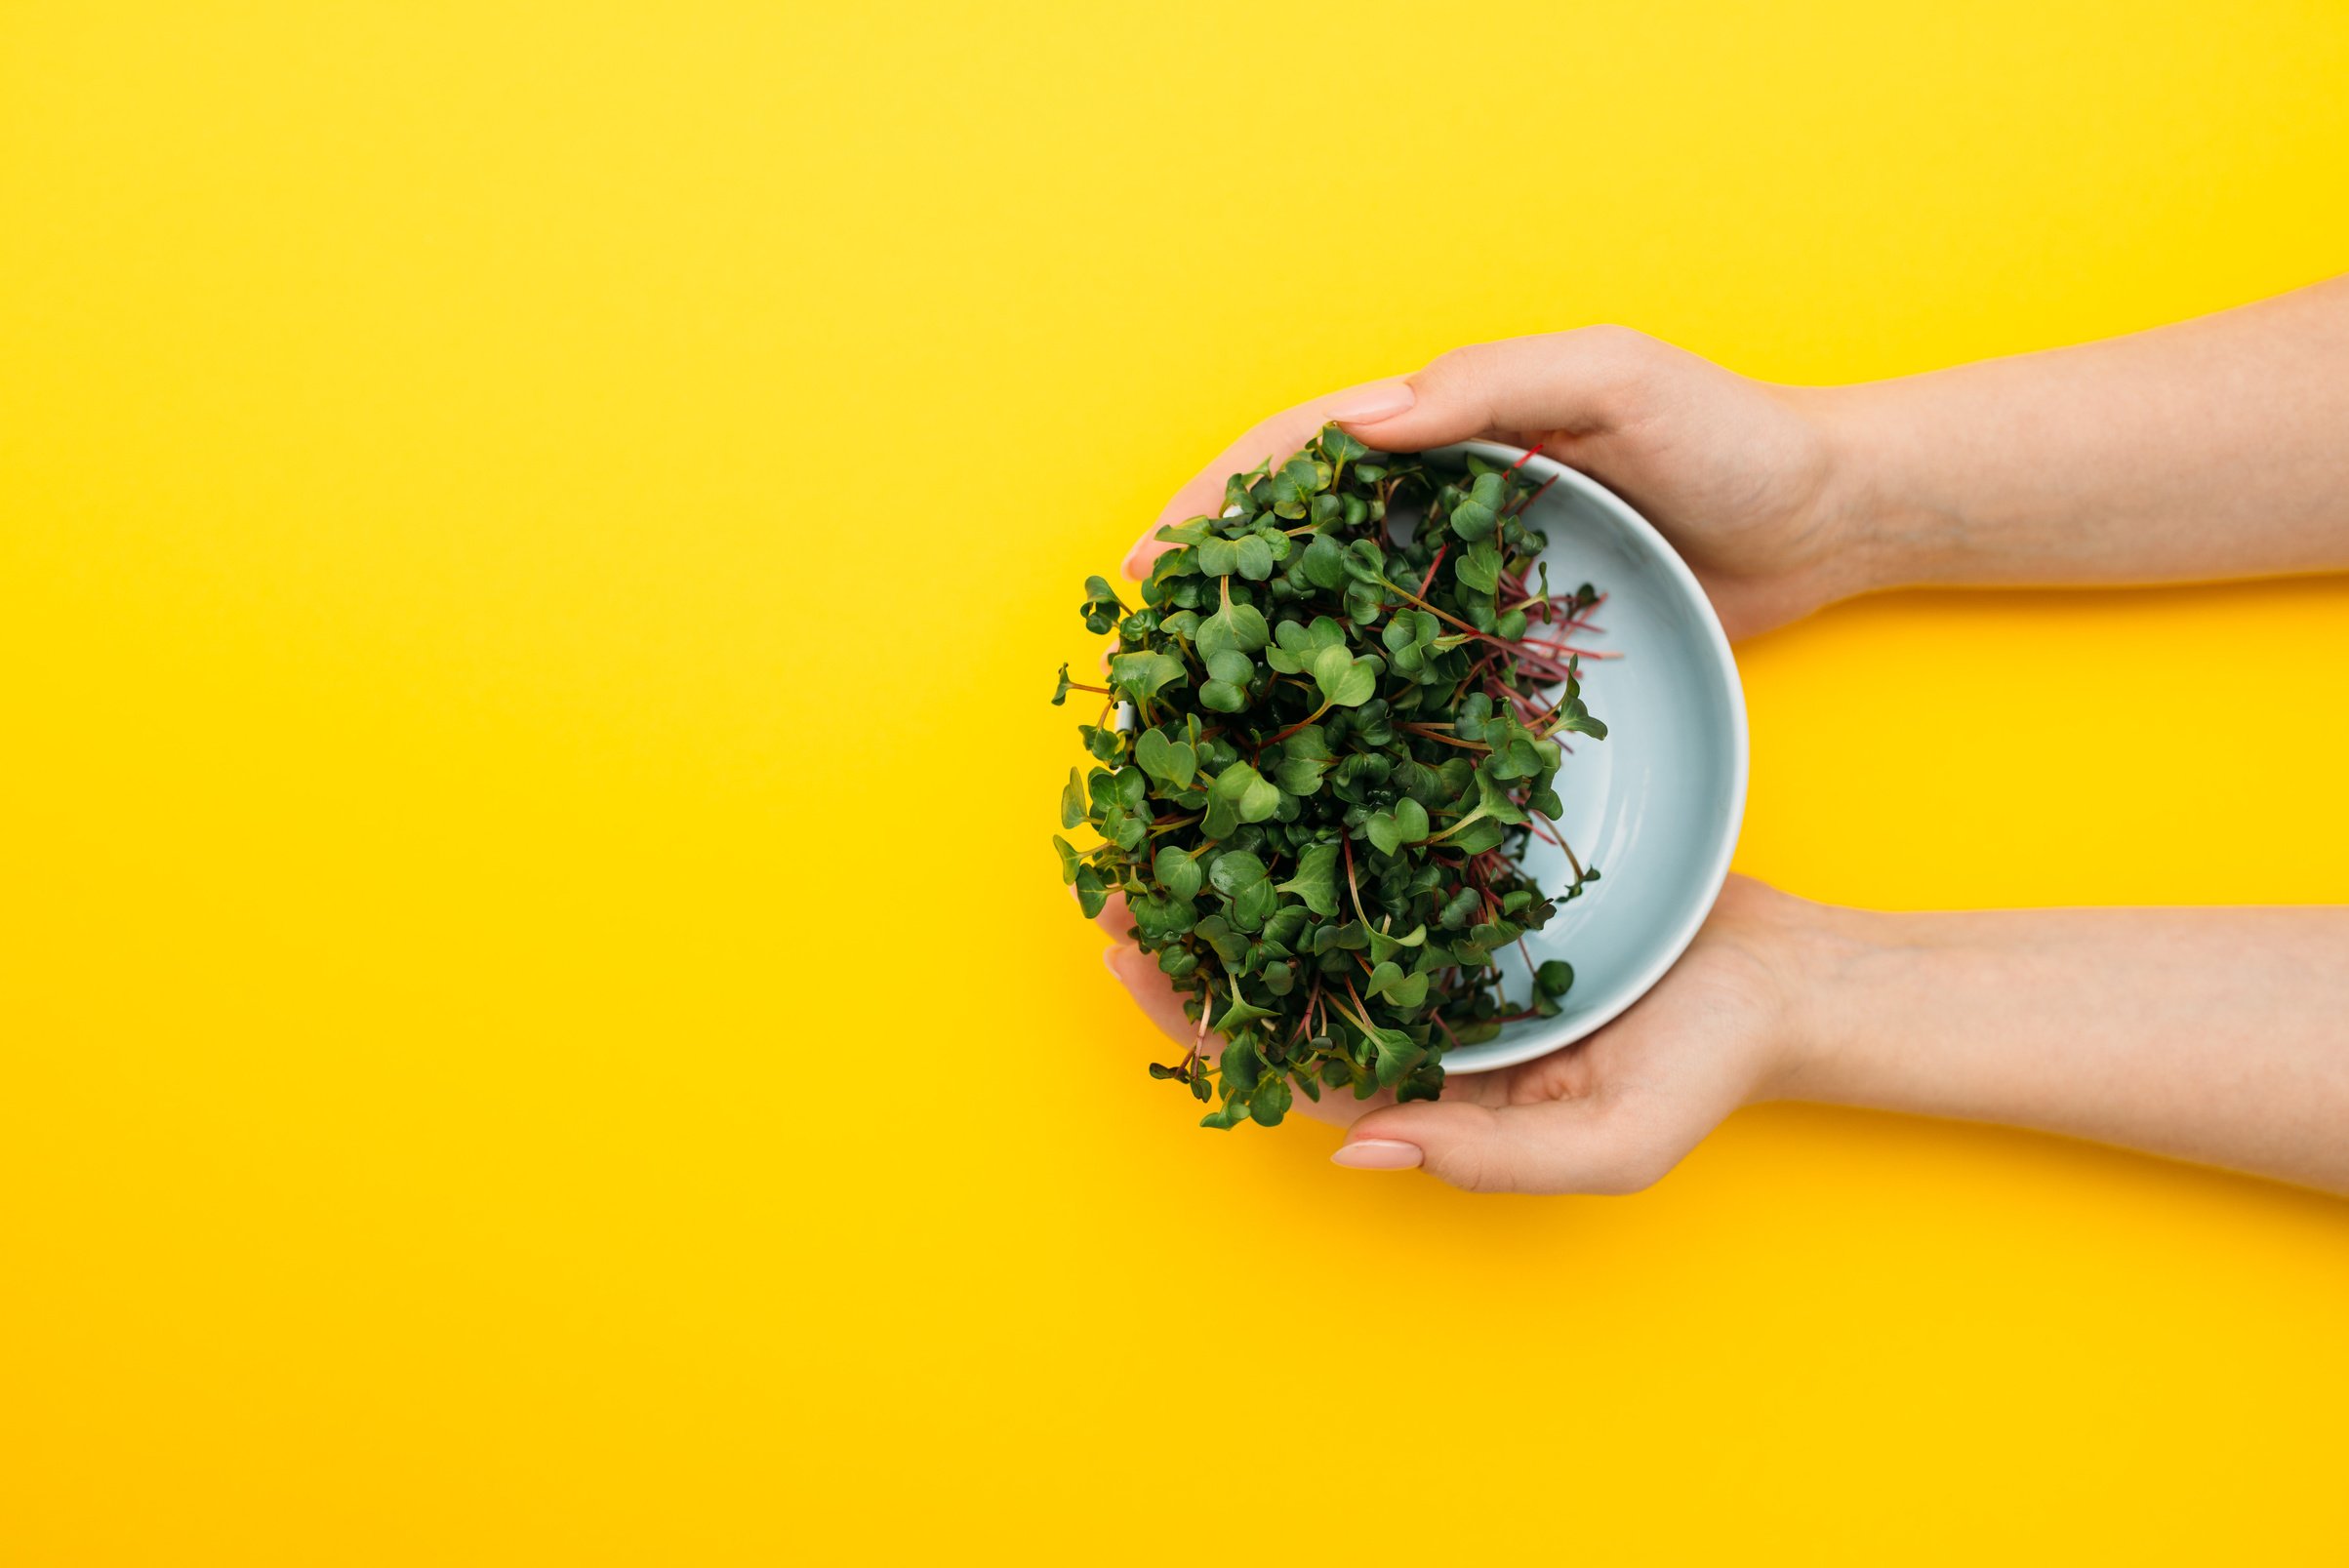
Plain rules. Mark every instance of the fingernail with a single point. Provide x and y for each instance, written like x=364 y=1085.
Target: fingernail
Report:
x=1377 y=1154
x=1371 y=404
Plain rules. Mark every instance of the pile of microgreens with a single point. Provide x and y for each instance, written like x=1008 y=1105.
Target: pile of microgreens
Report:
x=1345 y=700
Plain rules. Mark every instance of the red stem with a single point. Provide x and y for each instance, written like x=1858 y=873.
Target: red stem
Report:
x=1432 y=565
x=1526 y=505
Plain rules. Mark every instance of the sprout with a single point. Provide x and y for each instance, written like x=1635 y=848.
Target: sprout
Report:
x=1341 y=746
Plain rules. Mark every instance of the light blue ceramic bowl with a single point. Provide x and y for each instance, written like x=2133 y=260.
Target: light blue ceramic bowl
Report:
x=1657 y=805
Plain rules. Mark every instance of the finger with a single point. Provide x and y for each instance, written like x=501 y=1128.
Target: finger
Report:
x=1559 y=1145
x=1274 y=439
x=1570 y=383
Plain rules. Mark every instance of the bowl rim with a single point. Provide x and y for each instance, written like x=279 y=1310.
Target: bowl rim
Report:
x=1506 y=1052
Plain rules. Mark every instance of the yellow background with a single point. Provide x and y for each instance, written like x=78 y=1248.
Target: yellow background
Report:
x=536 y=1019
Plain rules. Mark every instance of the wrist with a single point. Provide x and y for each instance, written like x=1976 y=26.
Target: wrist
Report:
x=1886 y=530
x=1814 y=952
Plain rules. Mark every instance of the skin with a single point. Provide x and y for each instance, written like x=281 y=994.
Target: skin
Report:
x=2213 y=448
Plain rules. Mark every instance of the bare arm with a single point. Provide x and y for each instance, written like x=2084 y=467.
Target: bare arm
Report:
x=2212 y=448
x=2218 y=1036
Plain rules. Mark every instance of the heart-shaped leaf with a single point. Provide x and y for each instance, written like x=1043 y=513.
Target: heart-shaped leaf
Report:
x=1323 y=564
x=1171 y=760
x=1480 y=566
x=1139 y=676
x=1317 y=880
x=1235 y=871
x=1177 y=871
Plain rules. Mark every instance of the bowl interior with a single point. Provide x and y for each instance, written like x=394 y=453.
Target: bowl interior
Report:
x=1657 y=805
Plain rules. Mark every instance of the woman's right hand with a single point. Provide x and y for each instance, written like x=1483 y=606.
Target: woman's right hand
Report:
x=1744 y=477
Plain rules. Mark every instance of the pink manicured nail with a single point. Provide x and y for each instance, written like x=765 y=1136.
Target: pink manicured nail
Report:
x=1371 y=404
x=1377 y=1154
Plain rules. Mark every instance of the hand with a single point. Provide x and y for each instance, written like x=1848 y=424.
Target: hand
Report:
x=1742 y=476
x=1611 y=1113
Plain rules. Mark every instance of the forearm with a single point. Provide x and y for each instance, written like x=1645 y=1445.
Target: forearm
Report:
x=2212 y=448
x=2217 y=1036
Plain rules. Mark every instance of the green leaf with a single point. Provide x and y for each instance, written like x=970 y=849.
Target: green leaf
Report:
x=1574 y=718
x=1397 y=1054
x=1141 y=675
x=1235 y=871
x=1073 y=801
x=1355 y=686
x=1238 y=1015
x=1216 y=556
x=1311 y=740
x=1259 y=801
x=1293 y=487
x=1384 y=946
x=1177 y=871
x=1255 y=558
x=1229 y=1117
x=1555 y=976
x=1477 y=837
x=1171 y=760
x=1230 y=666
x=1317 y=880
x=1468 y=723
x=1492 y=798
x=1068 y=858
x=1235 y=628
x=1345 y=680
x=1299 y=776
x=1158 y=921
x=1339 y=447
x=1471 y=520
x=1389 y=982
x=1102 y=607
x=1323 y=563
x=1220 y=817
x=1479 y=567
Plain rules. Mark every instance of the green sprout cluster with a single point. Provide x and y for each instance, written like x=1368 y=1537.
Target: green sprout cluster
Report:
x=1344 y=702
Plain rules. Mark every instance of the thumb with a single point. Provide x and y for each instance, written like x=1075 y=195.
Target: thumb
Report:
x=1575 y=382
x=1555 y=1145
